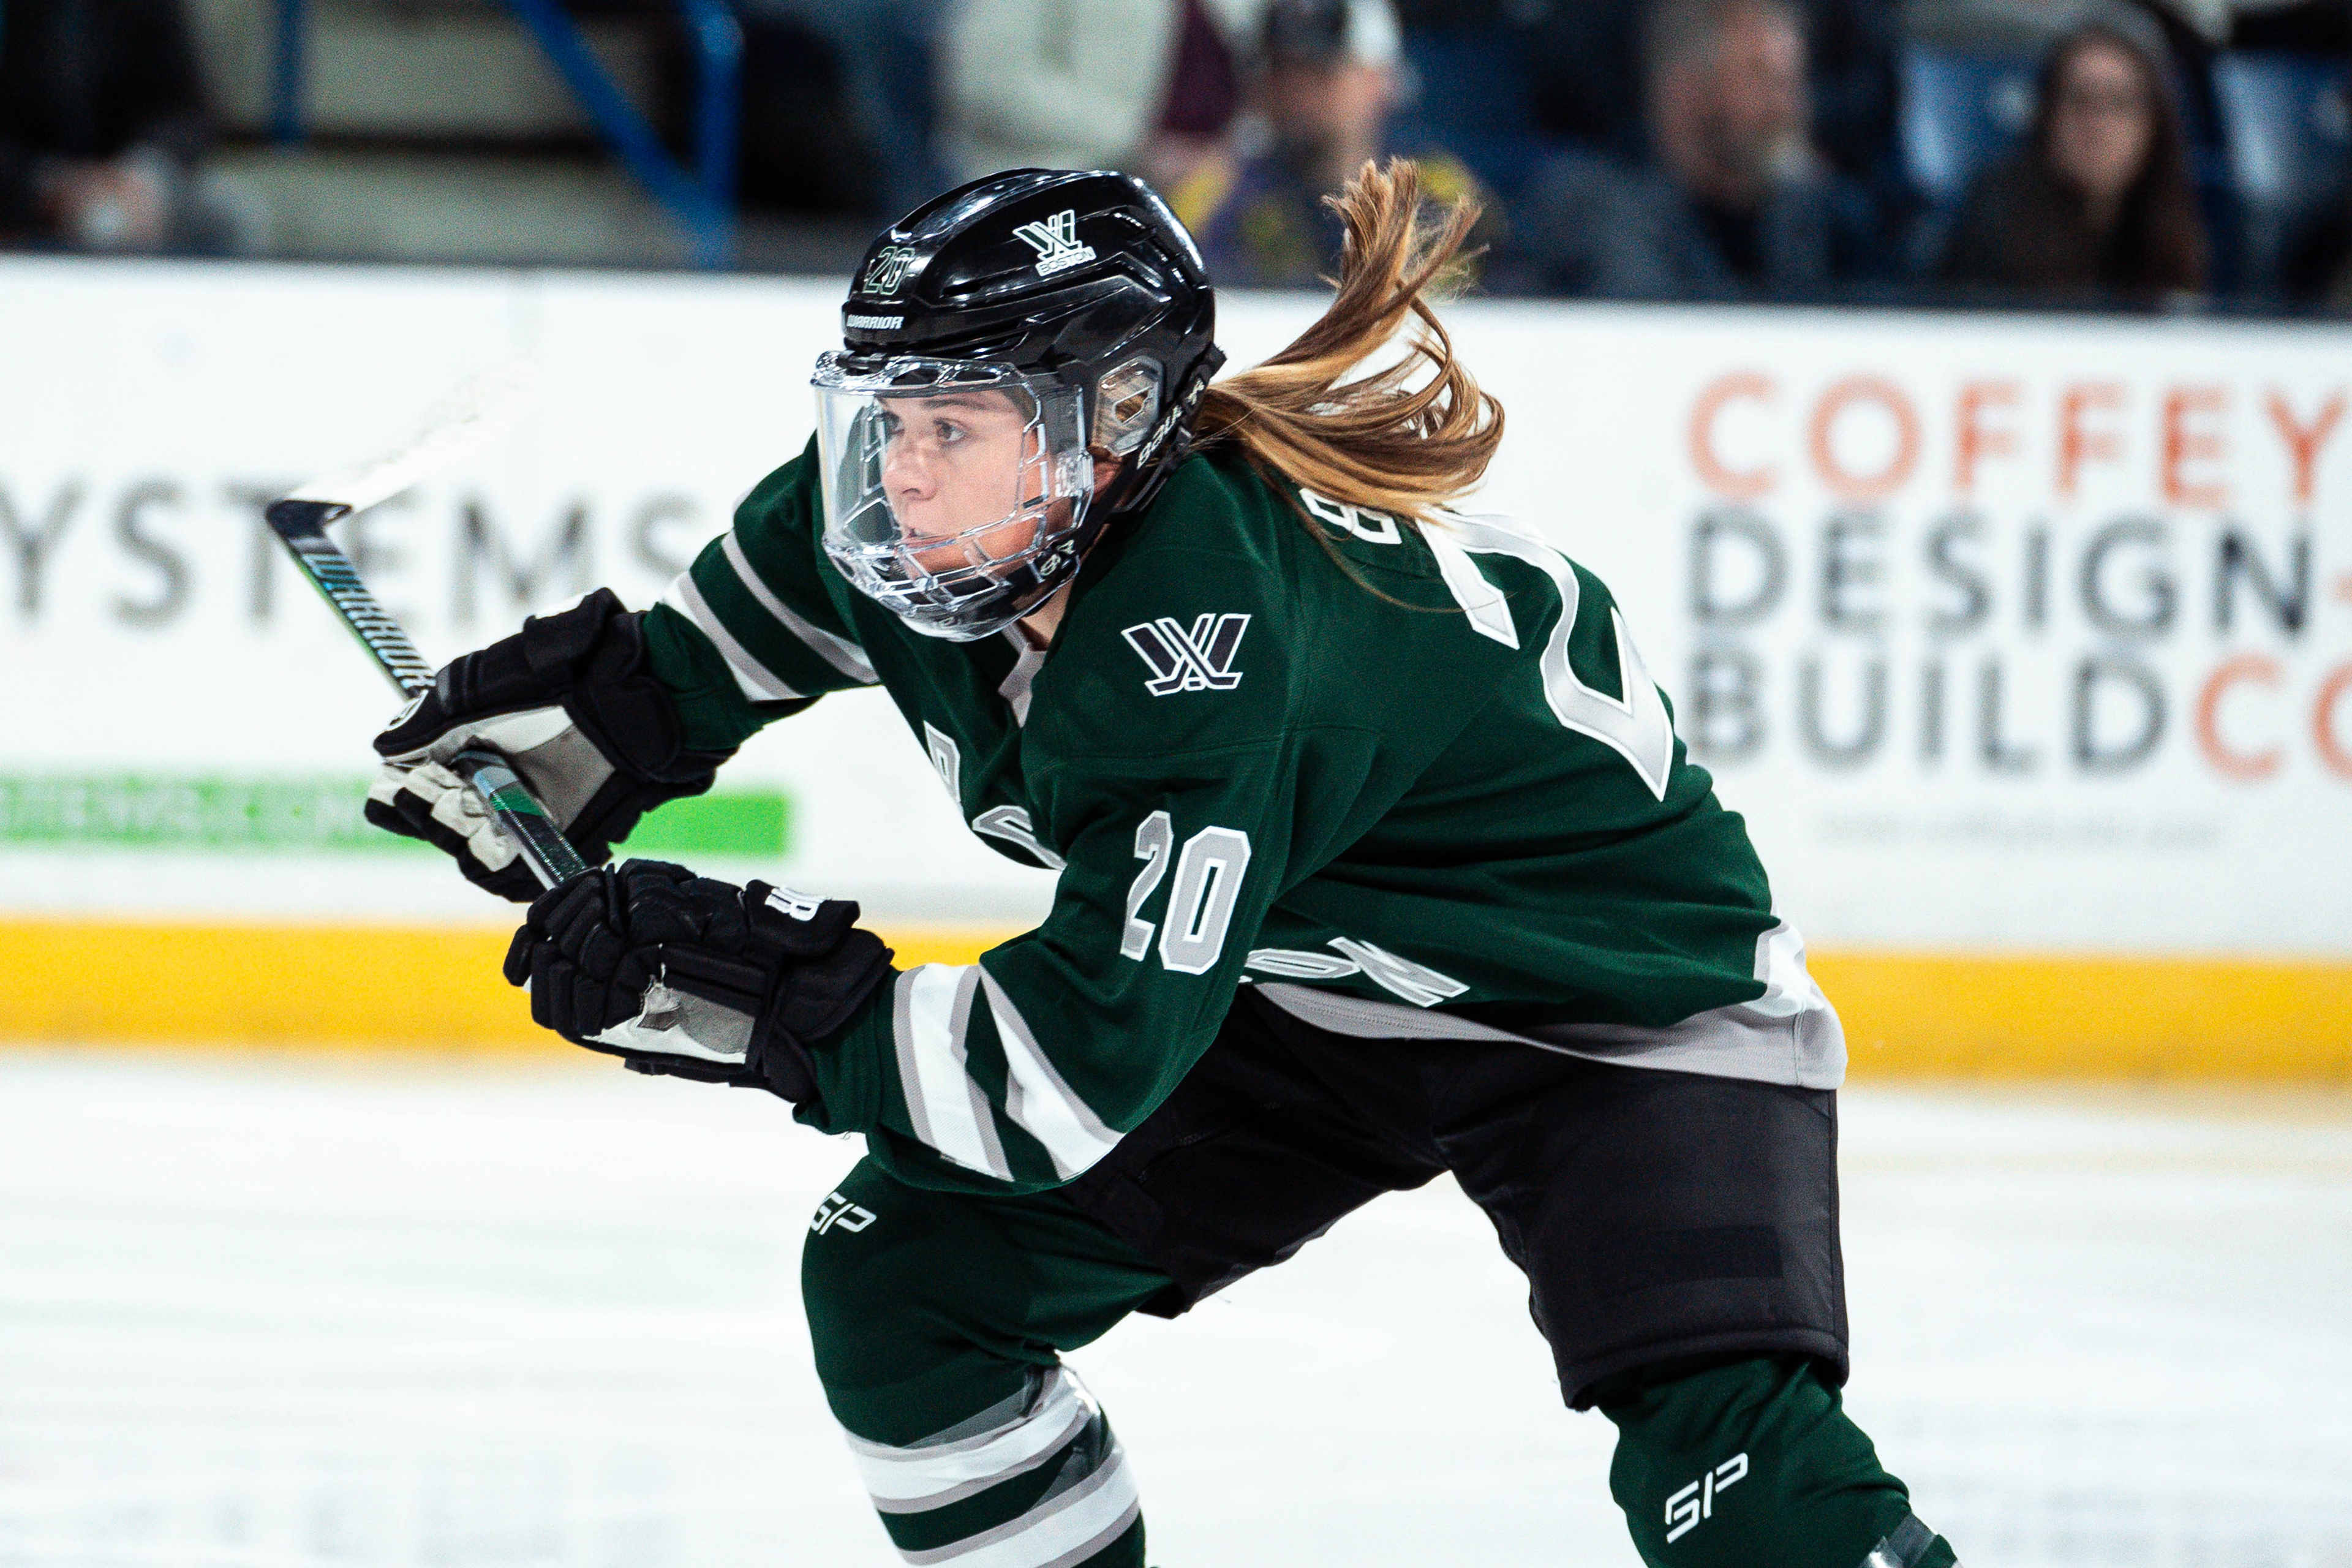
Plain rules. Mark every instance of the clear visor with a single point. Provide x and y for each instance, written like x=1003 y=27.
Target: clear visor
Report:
x=948 y=484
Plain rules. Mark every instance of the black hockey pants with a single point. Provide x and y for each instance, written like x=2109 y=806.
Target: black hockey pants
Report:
x=1678 y=1234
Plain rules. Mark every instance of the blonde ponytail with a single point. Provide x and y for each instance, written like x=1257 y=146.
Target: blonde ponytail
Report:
x=1406 y=439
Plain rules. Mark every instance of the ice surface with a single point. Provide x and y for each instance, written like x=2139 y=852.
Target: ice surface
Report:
x=277 y=1312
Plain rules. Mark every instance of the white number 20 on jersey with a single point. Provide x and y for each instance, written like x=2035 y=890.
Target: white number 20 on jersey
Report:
x=1199 y=906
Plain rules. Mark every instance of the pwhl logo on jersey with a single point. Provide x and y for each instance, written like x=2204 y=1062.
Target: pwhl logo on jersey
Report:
x=1056 y=241
x=1199 y=660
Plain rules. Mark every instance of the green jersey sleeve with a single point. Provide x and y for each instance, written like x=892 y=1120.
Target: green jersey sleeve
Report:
x=752 y=631
x=1168 y=766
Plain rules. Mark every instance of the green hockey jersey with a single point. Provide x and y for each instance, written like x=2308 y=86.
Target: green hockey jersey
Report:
x=1412 y=781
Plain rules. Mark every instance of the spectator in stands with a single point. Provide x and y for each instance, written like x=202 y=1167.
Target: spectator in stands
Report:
x=1738 y=203
x=1585 y=65
x=1325 y=80
x=102 y=125
x=2175 y=32
x=2098 y=198
x=1145 y=86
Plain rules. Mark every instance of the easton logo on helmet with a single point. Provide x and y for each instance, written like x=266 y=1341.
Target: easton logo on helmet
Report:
x=1056 y=241
x=889 y=270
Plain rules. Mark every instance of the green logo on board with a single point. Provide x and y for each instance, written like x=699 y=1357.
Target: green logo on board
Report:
x=318 y=813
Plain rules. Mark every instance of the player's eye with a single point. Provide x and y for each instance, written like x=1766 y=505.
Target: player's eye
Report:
x=946 y=432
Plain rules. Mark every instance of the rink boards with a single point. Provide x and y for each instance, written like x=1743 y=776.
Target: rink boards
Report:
x=371 y=987
x=2024 y=645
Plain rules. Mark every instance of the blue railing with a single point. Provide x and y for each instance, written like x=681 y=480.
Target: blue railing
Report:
x=287 y=78
x=702 y=200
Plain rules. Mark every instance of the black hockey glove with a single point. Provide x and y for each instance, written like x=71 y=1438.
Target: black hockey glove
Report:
x=569 y=703
x=678 y=973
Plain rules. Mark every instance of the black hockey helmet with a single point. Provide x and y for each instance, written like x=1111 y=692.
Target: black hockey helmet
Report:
x=1030 y=323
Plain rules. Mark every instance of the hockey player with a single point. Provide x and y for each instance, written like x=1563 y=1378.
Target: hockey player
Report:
x=1377 y=858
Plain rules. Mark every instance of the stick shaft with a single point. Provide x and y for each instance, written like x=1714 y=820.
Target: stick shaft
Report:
x=301 y=526
x=548 y=853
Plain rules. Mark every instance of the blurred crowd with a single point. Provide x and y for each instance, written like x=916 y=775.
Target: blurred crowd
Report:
x=2089 y=154
x=103 y=127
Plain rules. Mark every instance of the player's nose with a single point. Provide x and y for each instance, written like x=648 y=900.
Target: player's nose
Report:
x=905 y=475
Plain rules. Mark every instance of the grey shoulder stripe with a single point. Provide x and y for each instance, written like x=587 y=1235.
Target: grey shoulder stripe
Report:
x=758 y=681
x=838 y=651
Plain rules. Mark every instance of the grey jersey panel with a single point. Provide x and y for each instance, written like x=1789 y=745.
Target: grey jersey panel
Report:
x=1806 y=1049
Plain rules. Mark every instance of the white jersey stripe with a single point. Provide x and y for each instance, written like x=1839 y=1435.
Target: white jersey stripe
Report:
x=917 y=1479
x=1066 y=1528
x=975 y=1098
x=946 y=1108
x=758 y=682
x=1038 y=1099
x=838 y=651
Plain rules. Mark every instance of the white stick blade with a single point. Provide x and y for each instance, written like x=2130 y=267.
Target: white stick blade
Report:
x=484 y=409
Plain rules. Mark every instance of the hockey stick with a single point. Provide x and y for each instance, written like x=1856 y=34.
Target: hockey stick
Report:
x=480 y=411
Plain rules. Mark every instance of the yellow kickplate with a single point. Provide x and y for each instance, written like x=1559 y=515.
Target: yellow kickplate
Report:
x=2002 y=1015
x=331 y=986
x=2012 y=1016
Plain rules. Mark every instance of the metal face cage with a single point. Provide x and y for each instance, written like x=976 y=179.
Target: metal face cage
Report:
x=954 y=491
